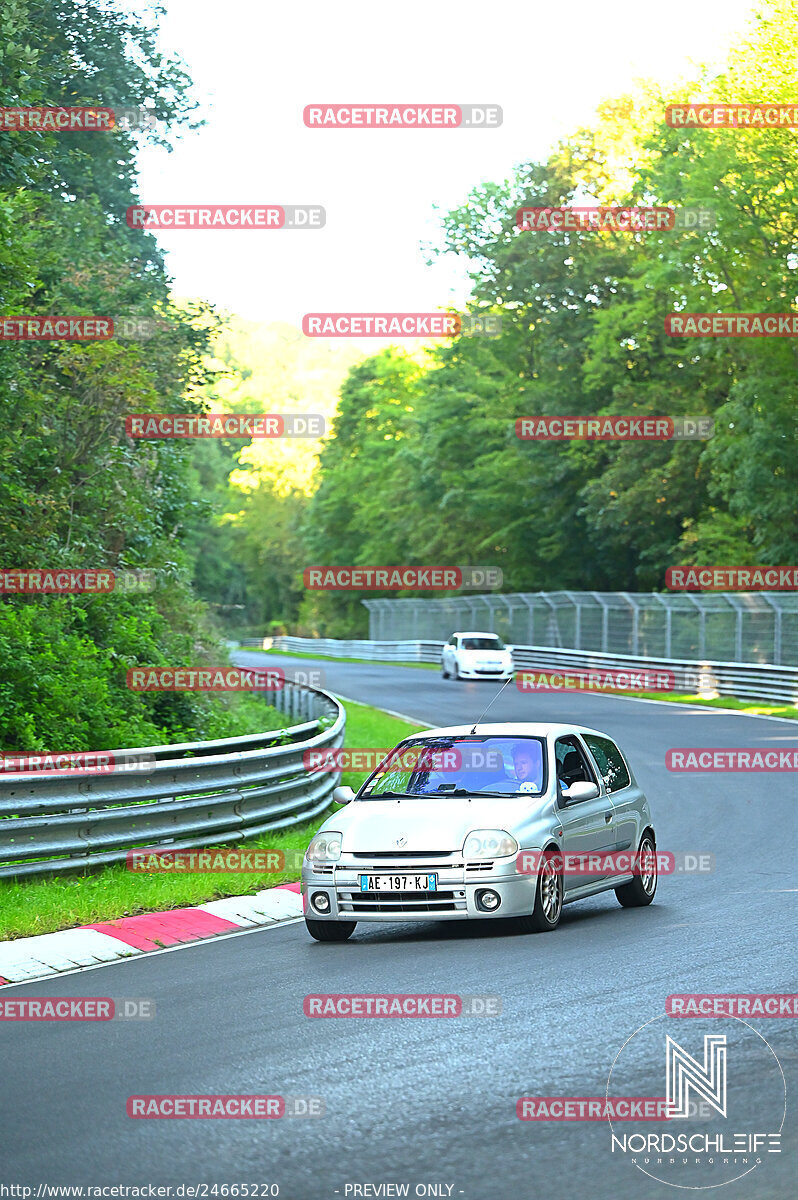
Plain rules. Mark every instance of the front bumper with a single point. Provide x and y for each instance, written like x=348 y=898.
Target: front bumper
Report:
x=485 y=672
x=455 y=898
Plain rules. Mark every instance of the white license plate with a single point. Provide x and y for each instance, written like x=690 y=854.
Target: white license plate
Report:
x=398 y=883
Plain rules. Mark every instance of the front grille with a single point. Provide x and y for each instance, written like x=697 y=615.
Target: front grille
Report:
x=399 y=902
x=479 y=866
x=402 y=854
x=389 y=869
x=322 y=870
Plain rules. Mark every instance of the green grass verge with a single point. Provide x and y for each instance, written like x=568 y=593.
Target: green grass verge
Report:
x=33 y=906
x=754 y=708
x=334 y=658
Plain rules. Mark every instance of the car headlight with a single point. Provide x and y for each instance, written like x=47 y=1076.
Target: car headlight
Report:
x=324 y=847
x=489 y=843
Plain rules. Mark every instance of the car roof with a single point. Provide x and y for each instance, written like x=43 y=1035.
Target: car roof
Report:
x=473 y=633
x=508 y=729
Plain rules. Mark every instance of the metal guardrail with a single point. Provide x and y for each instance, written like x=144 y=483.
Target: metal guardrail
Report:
x=745 y=681
x=197 y=794
x=339 y=648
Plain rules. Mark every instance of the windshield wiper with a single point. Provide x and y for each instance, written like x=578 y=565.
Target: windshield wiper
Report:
x=458 y=792
x=379 y=795
x=466 y=792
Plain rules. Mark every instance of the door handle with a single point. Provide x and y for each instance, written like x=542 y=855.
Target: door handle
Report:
x=608 y=817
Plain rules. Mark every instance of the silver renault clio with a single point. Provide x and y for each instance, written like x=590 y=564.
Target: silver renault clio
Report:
x=491 y=821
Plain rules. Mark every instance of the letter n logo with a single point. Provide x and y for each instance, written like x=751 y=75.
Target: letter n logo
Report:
x=683 y=1073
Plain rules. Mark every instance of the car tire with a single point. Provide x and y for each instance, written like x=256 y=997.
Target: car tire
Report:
x=546 y=914
x=330 y=931
x=456 y=671
x=641 y=890
x=444 y=672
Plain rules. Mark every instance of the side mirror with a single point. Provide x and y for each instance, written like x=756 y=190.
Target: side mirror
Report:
x=343 y=795
x=580 y=791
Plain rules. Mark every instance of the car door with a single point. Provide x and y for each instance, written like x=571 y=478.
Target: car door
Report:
x=626 y=796
x=588 y=825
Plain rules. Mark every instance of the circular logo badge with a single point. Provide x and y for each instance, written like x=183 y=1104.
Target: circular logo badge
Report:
x=712 y=1101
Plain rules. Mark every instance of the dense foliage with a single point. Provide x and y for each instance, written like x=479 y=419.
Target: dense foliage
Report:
x=74 y=491
x=424 y=465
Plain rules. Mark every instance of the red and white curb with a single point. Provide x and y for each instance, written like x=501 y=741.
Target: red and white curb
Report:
x=52 y=953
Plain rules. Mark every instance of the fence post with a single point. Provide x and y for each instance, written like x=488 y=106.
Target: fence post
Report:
x=776 y=627
x=605 y=622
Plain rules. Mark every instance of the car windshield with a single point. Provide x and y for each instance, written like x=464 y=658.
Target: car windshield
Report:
x=482 y=643
x=461 y=766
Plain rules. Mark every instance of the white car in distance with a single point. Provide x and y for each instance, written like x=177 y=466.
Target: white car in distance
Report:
x=475 y=655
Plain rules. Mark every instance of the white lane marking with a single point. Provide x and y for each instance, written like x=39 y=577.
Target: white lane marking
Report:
x=686 y=708
x=139 y=957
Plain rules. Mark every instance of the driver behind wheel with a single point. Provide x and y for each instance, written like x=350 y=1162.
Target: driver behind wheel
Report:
x=528 y=763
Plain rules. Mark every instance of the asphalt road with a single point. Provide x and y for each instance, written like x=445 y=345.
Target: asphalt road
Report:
x=432 y=1102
